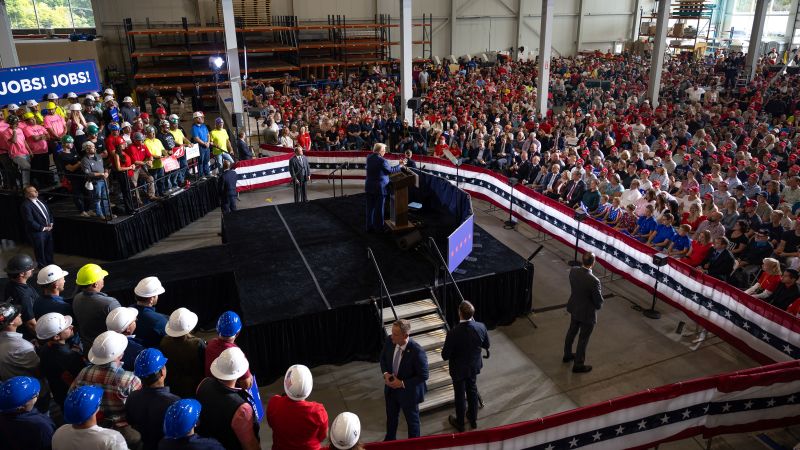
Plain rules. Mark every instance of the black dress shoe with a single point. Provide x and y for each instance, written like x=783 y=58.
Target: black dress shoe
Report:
x=568 y=358
x=454 y=423
x=473 y=425
x=581 y=369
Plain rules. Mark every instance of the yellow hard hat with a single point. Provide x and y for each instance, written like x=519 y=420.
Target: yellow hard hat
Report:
x=27 y=115
x=90 y=274
x=51 y=106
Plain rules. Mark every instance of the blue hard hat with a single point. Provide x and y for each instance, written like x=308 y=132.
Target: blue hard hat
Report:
x=229 y=324
x=113 y=127
x=181 y=417
x=148 y=362
x=81 y=403
x=17 y=391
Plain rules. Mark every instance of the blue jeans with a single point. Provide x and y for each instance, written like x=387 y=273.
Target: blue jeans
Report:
x=100 y=197
x=203 y=169
x=182 y=170
x=161 y=182
x=223 y=156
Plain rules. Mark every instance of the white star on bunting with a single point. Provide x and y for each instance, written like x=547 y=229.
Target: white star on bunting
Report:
x=771 y=402
x=726 y=407
x=620 y=429
x=642 y=424
x=665 y=419
x=686 y=414
x=748 y=405
x=573 y=442
x=787 y=349
x=596 y=436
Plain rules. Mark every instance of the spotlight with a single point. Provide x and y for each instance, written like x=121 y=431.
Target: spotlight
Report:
x=216 y=62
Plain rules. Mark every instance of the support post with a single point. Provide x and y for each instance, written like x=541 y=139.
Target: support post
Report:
x=406 y=82
x=545 y=46
x=232 y=57
x=453 y=16
x=520 y=18
x=637 y=19
x=8 y=52
x=755 y=38
x=659 y=45
x=791 y=25
x=581 y=12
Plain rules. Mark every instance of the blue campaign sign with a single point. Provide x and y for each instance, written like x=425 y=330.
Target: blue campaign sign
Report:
x=459 y=243
x=19 y=84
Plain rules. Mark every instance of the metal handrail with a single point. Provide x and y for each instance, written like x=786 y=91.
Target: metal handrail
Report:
x=382 y=285
x=438 y=307
x=340 y=168
x=444 y=265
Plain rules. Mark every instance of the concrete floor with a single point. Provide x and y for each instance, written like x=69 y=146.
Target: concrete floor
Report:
x=524 y=379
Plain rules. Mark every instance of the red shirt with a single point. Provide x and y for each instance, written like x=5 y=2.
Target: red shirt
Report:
x=439 y=150
x=699 y=253
x=137 y=152
x=213 y=349
x=296 y=425
x=769 y=282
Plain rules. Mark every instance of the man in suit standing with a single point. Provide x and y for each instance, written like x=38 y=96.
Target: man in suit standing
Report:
x=405 y=370
x=301 y=173
x=462 y=348
x=574 y=189
x=39 y=226
x=585 y=299
x=227 y=188
x=719 y=262
x=378 y=170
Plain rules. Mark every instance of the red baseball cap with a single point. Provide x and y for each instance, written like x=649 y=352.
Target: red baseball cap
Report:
x=694 y=189
x=795 y=168
x=144 y=115
x=750 y=203
x=707 y=195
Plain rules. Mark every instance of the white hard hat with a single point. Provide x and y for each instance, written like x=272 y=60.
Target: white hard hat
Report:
x=13 y=107
x=149 y=287
x=75 y=107
x=119 y=318
x=108 y=91
x=345 y=431
x=173 y=117
x=51 y=324
x=298 y=382
x=52 y=96
x=72 y=95
x=127 y=100
x=107 y=347
x=94 y=94
x=50 y=273
x=181 y=322
x=108 y=98
x=197 y=114
x=125 y=125
x=231 y=364
x=90 y=97
x=32 y=103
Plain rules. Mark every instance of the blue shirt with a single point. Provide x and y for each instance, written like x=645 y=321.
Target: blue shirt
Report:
x=200 y=130
x=646 y=224
x=681 y=243
x=150 y=326
x=663 y=233
x=131 y=352
x=51 y=303
x=193 y=442
x=30 y=429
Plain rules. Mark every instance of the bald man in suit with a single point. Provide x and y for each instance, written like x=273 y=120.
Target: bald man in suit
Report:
x=586 y=298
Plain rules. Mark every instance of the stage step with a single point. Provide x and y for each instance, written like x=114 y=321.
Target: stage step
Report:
x=421 y=324
x=439 y=377
x=431 y=339
x=437 y=398
x=407 y=310
x=435 y=358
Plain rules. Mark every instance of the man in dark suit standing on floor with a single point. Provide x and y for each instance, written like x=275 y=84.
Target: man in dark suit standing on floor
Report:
x=227 y=188
x=301 y=173
x=378 y=170
x=585 y=299
x=462 y=348
x=39 y=226
x=405 y=371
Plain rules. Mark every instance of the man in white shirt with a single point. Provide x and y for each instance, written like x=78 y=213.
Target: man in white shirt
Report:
x=81 y=431
x=695 y=92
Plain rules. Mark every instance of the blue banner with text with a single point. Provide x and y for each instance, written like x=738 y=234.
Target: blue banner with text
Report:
x=19 y=84
x=459 y=243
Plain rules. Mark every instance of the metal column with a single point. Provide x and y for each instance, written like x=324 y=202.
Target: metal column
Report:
x=581 y=12
x=453 y=14
x=637 y=12
x=8 y=52
x=659 y=45
x=232 y=56
x=520 y=18
x=406 y=82
x=545 y=46
x=791 y=25
x=755 y=38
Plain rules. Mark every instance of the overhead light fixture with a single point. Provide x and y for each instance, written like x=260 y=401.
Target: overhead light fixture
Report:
x=216 y=62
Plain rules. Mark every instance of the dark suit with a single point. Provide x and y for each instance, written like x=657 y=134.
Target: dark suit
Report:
x=462 y=348
x=573 y=192
x=227 y=191
x=413 y=372
x=585 y=299
x=720 y=266
x=35 y=221
x=378 y=170
x=300 y=171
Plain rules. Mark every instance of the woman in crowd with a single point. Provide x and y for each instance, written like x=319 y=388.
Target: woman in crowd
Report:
x=768 y=280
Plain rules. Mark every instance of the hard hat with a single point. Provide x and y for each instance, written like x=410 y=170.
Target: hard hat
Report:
x=120 y=318
x=197 y=114
x=298 y=382
x=108 y=91
x=138 y=136
x=148 y=362
x=17 y=391
x=32 y=103
x=161 y=110
x=52 y=96
x=28 y=115
x=50 y=105
x=89 y=98
x=72 y=95
x=75 y=107
x=19 y=263
x=181 y=417
x=174 y=118
x=181 y=322
x=150 y=129
x=51 y=324
x=127 y=100
x=92 y=128
x=107 y=347
x=229 y=324
x=50 y=273
x=90 y=274
x=144 y=115
x=67 y=139
x=113 y=127
x=345 y=431
x=8 y=312
x=164 y=123
x=94 y=94
x=108 y=98
x=82 y=403
x=231 y=364
x=12 y=107
x=219 y=120
x=125 y=125
x=12 y=120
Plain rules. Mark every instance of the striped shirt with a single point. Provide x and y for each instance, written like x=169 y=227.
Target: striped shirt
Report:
x=117 y=384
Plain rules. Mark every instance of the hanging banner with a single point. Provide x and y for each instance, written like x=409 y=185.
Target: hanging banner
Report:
x=19 y=84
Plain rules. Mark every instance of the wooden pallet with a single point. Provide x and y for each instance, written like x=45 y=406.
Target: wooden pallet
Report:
x=250 y=13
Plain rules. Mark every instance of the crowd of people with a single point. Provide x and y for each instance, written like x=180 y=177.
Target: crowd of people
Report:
x=92 y=374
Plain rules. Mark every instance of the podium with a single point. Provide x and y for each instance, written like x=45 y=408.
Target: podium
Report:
x=398 y=200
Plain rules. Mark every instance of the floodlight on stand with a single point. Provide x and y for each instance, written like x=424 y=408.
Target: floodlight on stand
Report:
x=580 y=216
x=659 y=260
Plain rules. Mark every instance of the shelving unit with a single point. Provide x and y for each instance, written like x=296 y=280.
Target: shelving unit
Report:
x=691 y=28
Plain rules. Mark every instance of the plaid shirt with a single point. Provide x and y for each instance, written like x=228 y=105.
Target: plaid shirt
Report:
x=117 y=384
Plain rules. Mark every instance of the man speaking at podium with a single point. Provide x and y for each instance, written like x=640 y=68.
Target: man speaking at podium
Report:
x=378 y=170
